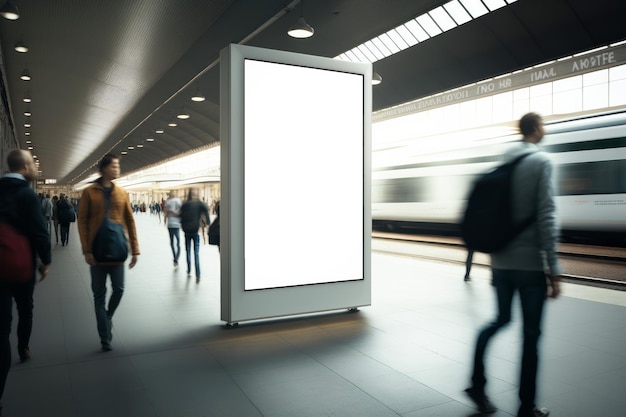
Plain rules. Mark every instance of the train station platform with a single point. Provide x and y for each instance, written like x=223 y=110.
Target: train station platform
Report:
x=408 y=354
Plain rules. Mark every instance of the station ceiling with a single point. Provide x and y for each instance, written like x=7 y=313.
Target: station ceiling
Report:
x=107 y=74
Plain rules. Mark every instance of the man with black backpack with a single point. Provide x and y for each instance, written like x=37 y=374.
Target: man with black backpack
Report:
x=527 y=264
x=20 y=212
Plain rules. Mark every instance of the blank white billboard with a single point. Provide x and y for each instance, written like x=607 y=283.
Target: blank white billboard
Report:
x=295 y=158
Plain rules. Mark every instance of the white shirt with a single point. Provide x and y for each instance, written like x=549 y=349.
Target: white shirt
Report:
x=173 y=205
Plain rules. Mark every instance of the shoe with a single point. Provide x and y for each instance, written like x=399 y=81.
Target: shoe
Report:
x=25 y=355
x=467 y=278
x=482 y=402
x=106 y=347
x=537 y=412
x=197 y=278
x=175 y=264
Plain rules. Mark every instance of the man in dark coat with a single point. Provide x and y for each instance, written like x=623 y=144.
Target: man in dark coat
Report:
x=21 y=208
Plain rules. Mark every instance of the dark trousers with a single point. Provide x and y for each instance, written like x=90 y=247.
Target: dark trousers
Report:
x=65 y=232
x=532 y=289
x=23 y=295
x=195 y=238
x=104 y=312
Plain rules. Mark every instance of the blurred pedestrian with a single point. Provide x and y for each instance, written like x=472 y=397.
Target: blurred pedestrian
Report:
x=103 y=199
x=520 y=267
x=191 y=214
x=171 y=214
x=21 y=208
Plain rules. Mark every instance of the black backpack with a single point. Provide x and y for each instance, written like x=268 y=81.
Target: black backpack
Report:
x=487 y=224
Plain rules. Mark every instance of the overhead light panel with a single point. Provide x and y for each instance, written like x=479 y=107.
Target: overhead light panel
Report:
x=20 y=47
x=25 y=75
x=301 y=29
x=10 y=11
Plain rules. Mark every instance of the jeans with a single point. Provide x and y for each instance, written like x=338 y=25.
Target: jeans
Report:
x=532 y=289
x=23 y=294
x=175 y=234
x=189 y=237
x=98 y=287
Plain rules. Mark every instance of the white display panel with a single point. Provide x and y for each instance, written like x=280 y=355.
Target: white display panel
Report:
x=303 y=164
x=295 y=156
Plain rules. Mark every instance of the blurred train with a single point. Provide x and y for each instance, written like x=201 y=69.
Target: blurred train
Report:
x=422 y=186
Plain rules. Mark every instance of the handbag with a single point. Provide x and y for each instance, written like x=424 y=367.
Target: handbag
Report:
x=214 y=232
x=110 y=244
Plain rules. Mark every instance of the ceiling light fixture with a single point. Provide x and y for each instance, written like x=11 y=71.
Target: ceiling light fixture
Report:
x=183 y=114
x=131 y=147
x=172 y=123
x=149 y=139
x=27 y=124
x=10 y=11
x=124 y=152
x=25 y=75
x=140 y=145
x=301 y=29
x=376 y=78
x=159 y=130
x=27 y=113
x=197 y=97
x=27 y=133
x=20 y=47
x=27 y=98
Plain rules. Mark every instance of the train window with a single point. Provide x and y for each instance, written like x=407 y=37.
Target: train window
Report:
x=603 y=177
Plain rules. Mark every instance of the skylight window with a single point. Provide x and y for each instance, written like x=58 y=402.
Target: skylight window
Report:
x=475 y=7
x=442 y=18
x=428 y=25
x=458 y=13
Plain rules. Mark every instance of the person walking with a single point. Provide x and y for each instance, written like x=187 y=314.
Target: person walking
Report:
x=21 y=208
x=191 y=213
x=55 y=218
x=103 y=199
x=66 y=215
x=520 y=267
x=171 y=216
x=46 y=208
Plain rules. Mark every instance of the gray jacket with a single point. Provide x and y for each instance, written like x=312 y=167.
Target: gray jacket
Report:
x=535 y=248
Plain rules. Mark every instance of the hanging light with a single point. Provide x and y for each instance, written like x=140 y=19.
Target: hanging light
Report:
x=301 y=29
x=10 y=11
x=198 y=96
x=376 y=78
x=20 y=47
x=183 y=114
x=25 y=75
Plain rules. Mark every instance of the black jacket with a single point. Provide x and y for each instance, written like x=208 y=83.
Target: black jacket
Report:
x=190 y=214
x=21 y=208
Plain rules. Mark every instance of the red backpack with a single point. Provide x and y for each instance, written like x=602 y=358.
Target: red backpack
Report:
x=16 y=259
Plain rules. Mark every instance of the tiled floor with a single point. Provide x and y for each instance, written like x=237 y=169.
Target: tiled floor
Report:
x=406 y=355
